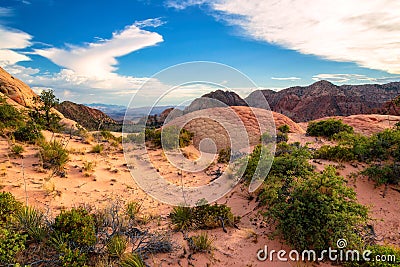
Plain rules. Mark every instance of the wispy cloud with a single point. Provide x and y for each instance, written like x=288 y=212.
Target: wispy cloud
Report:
x=98 y=59
x=286 y=78
x=182 y=4
x=364 y=32
x=86 y=67
x=154 y=23
x=354 y=78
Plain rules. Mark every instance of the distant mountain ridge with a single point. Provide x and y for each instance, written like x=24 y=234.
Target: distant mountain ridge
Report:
x=324 y=99
x=214 y=99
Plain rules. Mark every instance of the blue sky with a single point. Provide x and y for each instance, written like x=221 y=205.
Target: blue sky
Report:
x=102 y=51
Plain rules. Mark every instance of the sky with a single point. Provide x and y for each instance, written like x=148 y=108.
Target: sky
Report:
x=104 y=51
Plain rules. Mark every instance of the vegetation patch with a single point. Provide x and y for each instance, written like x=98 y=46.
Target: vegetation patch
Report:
x=327 y=128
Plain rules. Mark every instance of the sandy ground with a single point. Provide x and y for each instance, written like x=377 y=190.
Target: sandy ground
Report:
x=110 y=180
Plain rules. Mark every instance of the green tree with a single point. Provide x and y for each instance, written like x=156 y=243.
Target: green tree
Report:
x=42 y=113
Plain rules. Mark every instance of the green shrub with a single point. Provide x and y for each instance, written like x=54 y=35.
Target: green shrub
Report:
x=257 y=163
x=77 y=226
x=31 y=221
x=383 y=174
x=132 y=260
x=97 y=148
x=202 y=217
x=379 y=250
x=30 y=133
x=336 y=153
x=182 y=217
x=107 y=135
x=133 y=209
x=17 y=149
x=284 y=128
x=224 y=155
x=117 y=245
x=72 y=258
x=169 y=138
x=10 y=244
x=327 y=128
x=54 y=155
x=314 y=213
x=10 y=117
x=200 y=243
x=137 y=138
x=281 y=137
x=9 y=207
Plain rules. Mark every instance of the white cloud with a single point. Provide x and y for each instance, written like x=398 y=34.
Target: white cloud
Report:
x=285 y=78
x=182 y=4
x=157 y=22
x=364 y=32
x=88 y=67
x=11 y=40
x=342 y=78
x=5 y=12
x=98 y=59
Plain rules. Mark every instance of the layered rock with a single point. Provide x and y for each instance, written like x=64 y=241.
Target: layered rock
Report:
x=236 y=124
x=15 y=89
x=324 y=99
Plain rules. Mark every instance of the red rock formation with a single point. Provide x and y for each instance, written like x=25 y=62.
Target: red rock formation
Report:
x=323 y=99
x=15 y=89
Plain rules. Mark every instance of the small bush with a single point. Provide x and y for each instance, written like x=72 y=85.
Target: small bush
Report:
x=281 y=137
x=336 y=153
x=54 y=155
x=182 y=217
x=30 y=133
x=10 y=244
x=133 y=209
x=17 y=149
x=383 y=174
x=97 y=148
x=284 y=128
x=201 y=243
x=88 y=166
x=117 y=245
x=72 y=258
x=224 y=155
x=202 y=217
x=107 y=135
x=77 y=226
x=327 y=128
x=132 y=260
x=381 y=250
x=10 y=117
x=31 y=221
x=314 y=213
x=169 y=138
x=9 y=207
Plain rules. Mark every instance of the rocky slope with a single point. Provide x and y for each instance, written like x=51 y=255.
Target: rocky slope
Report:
x=15 y=89
x=90 y=118
x=323 y=99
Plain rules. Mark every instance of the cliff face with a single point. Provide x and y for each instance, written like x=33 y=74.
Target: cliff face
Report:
x=323 y=99
x=90 y=118
x=15 y=89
